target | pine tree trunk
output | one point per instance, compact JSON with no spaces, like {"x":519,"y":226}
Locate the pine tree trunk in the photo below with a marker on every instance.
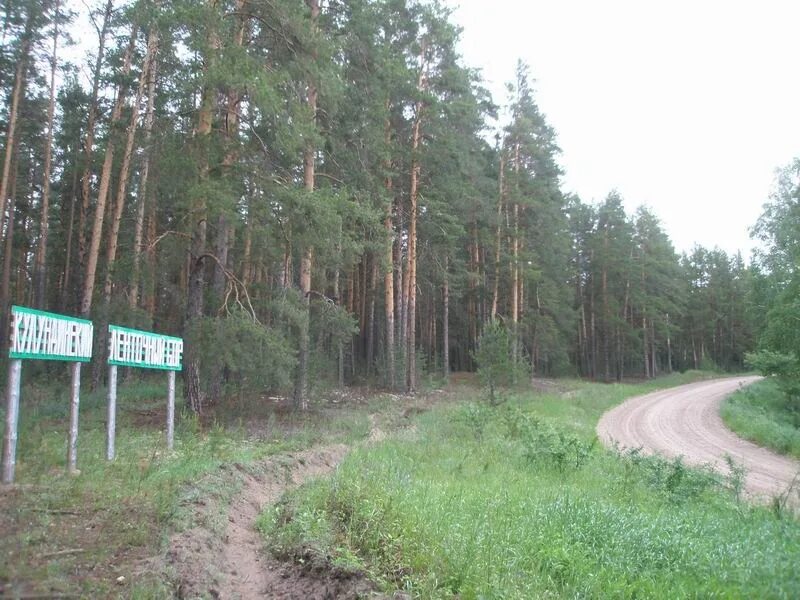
{"x":373,"y":290}
{"x":301,"y":383}
{"x":8,"y":253}
{"x":404,"y":271}
{"x":515,"y":282}
{"x":388,"y":291}
{"x":102,"y":193}
{"x":388,"y":275}
{"x":474,"y":277}
{"x":432,"y":334}
{"x":645,"y":357}
{"x":446,"y":322}
{"x":23,"y":209}
{"x":116,"y":214}
{"x":40,"y":268}
{"x":397,"y":267}
{"x":286,"y":263}
{"x":654,"y":362}
{"x":64,"y":292}
{"x":24,"y":247}
{"x":515,"y":248}
{"x":620,"y":337}
{"x":584,"y":345}
{"x":149,"y":293}
{"x":193,"y":392}
{"x":669,"y":347}
{"x":17,"y":95}
{"x":593,"y":319}
{"x":498,"y":235}
{"x":149,"y":119}
{"x":411,"y":358}
{"x":606,"y":319}
{"x":88,"y":144}
{"x":413,"y":194}
{"x":338,"y":299}
{"x":363,"y":304}
{"x":124,"y":172}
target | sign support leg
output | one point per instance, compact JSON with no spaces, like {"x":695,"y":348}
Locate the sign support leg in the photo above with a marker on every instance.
{"x":12,"y":420}
{"x":171,"y":411}
{"x":112,"y":411}
{"x":72,"y":444}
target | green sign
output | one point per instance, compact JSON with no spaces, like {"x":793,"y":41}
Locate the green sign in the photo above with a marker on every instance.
{"x":47,"y":336}
{"x":134,"y":348}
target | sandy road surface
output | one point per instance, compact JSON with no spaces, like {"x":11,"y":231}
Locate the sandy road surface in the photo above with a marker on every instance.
{"x":684,"y":421}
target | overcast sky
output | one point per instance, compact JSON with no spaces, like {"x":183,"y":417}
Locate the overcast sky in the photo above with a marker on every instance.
{"x":685,"y":106}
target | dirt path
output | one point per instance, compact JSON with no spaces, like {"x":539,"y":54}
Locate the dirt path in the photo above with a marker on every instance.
{"x":234,"y":564}
{"x":685,"y":421}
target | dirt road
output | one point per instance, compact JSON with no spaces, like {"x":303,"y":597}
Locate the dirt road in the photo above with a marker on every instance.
{"x":684,"y":421}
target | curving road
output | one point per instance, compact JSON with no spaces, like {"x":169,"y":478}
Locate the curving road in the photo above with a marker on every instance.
{"x":684,"y":421}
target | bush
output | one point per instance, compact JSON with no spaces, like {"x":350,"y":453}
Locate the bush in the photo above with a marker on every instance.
{"x":495,"y":367}
{"x":786,"y":369}
{"x":242,"y":352}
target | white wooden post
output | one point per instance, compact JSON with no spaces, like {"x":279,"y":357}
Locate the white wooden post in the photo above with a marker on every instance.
{"x":112,"y":411}
{"x":12,"y":420}
{"x":171,"y":410}
{"x":72,"y":444}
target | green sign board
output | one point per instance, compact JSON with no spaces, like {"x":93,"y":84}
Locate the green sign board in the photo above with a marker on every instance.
{"x":36,"y":334}
{"x":134,"y":348}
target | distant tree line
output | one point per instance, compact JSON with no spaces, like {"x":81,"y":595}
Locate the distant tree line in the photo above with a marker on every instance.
{"x":776,"y":289}
{"x":309,"y":193}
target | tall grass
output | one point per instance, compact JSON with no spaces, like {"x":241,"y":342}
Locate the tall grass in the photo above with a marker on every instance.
{"x":114,"y":515}
{"x":519,"y":503}
{"x":761,"y":413}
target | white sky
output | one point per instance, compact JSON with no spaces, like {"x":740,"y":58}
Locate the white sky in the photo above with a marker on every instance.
{"x":685,"y":106}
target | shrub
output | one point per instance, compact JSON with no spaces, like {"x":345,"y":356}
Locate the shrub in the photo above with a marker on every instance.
{"x":495,"y":367}
{"x":786,"y":368}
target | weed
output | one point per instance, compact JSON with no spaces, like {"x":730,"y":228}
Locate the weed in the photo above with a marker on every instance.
{"x":475,"y":417}
{"x":545,"y":444}
{"x":736,"y":477}
{"x":780,"y":503}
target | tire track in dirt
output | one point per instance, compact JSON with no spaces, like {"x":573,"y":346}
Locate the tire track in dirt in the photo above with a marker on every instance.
{"x":236,"y":565}
{"x":685,"y":421}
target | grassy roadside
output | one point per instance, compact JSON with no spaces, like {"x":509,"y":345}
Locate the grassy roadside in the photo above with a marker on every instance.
{"x":518,"y":502}
{"x":759,"y":413}
{"x":63,"y":535}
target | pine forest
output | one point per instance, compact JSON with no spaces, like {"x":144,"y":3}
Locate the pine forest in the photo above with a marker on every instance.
{"x":322,"y":193}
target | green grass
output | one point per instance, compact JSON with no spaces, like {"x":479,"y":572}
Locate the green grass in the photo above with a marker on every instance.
{"x":518,"y":502}
{"x":759,"y":413}
{"x":115,"y":515}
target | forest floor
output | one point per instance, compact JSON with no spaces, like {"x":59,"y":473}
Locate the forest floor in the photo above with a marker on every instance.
{"x":686,"y":422}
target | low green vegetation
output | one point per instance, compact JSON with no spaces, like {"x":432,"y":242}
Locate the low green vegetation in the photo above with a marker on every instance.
{"x":519,"y":501}
{"x":763,"y":414}
{"x":76,"y":535}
